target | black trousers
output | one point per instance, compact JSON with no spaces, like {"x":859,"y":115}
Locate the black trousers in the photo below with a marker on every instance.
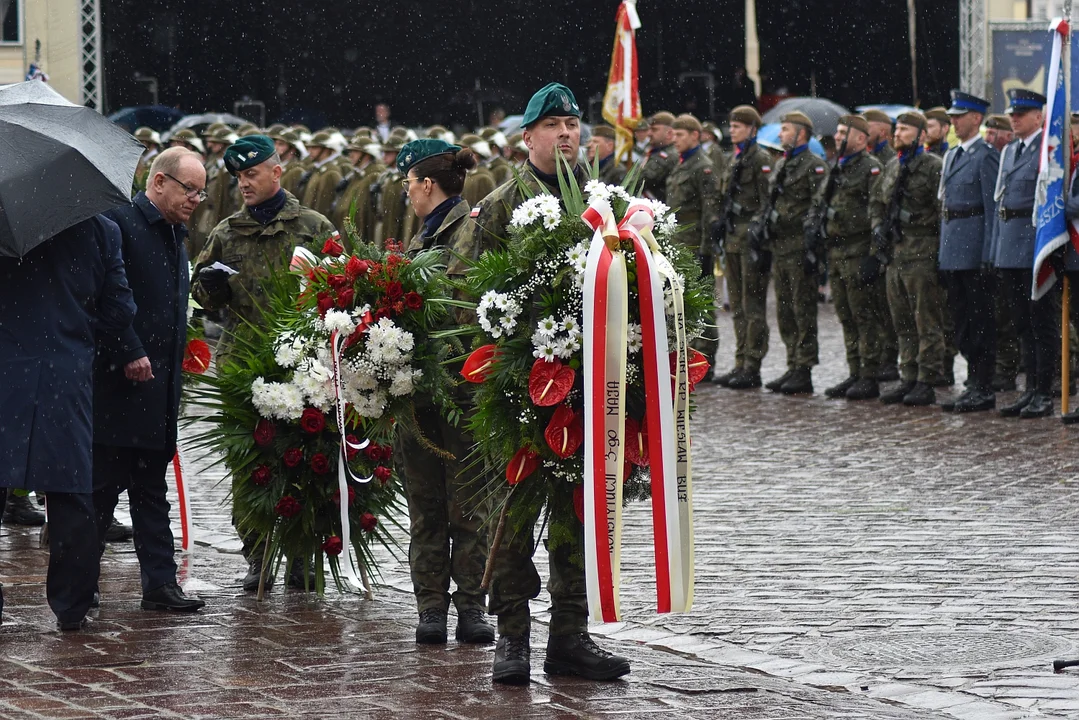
{"x":141,"y":472}
{"x":971,"y":301}
{"x":73,"y":558}
{"x":1037,"y":322}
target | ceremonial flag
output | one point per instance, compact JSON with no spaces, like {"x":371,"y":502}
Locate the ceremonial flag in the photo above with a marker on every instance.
{"x":1052,"y":227}
{"x":622,"y":102}
{"x":36,"y":73}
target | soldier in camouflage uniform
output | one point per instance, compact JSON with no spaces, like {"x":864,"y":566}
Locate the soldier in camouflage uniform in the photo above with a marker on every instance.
{"x":354,"y":188}
{"x":745,"y":190}
{"x":937,"y":125}
{"x":479,"y":182}
{"x":388,"y":198}
{"x":693,"y":194}
{"x":256,"y":241}
{"x":661,"y":156}
{"x":798,"y":177}
{"x":447,"y":538}
{"x":601,"y":146}
{"x":710,"y":143}
{"x":846,"y":225}
{"x":880,"y":147}
{"x":914,"y":292}
{"x":499,"y":166}
{"x":551,"y":120}
{"x":324,"y":175}
{"x":291,"y":151}
{"x":217,"y":204}
{"x":152,"y":142}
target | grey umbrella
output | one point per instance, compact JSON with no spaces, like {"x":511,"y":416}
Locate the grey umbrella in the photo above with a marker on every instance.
{"x":60,"y":163}
{"x":824,"y":113}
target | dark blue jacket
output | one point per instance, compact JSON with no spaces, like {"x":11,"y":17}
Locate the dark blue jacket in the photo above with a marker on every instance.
{"x":52,"y":302}
{"x":144,"y":414}
{"x":967,"y":184}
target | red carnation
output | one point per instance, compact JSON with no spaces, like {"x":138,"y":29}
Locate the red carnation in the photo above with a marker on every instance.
{"x":293,"y":457}
{"x":351,"y":452}
{"x":368,"y":522}
{"x":355,"y":267}
{"x":394,"y":291}
{"x":383,"y":474}
{"x":196,"y":357}
{"x":288,"y":507}
{"x":413,"y":300}
{"x":345,"y":298}
{"x":331,"y":246}
{"x":332,"y":546}
{"x":320,"y":464}
{"x":261,"y":475}
{"x":312,"y":420}
{"x":264,"y":433}
{"x":337,"y":497}
{"x":325,"y":302}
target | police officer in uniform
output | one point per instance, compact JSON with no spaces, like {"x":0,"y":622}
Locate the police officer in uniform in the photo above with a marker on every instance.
{"x":905,"y":216}
{"x":661,"y":156}
{"x":745,"y":188}
{"x":798,"y":176}
{"x":1036,"y":321}
{"x":937,"y":125}
{"x":847,"y":227}
{"x":968,"y":219}
{"x":551,"y":120}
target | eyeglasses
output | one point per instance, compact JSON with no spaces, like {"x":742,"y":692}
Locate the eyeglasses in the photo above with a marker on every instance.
{"x":406,"y":180}
{"x":191,"y":192}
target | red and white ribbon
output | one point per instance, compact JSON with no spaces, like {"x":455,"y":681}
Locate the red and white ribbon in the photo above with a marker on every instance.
{"x":186,"y":541}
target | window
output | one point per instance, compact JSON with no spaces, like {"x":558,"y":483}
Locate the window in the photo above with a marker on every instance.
{"x":11,"y":21}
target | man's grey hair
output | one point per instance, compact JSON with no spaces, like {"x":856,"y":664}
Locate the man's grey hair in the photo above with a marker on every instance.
{"x":168,"y":161}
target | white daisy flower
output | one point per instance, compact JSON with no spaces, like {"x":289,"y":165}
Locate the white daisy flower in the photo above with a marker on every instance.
{"x":547,"y":327}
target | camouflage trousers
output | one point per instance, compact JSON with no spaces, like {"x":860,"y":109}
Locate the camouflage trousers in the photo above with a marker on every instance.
{"x":446,"y":533}
{"x":796,"y":310}
{"x":516,"y":581}
{"x":855,"y":306}
{"x":886,"y":330}
{"x":747,"y":284}
{"x":915,"y":298}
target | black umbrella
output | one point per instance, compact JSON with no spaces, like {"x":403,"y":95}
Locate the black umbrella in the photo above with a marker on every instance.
{"x":60,"y":163}
{"x":824,"y":113}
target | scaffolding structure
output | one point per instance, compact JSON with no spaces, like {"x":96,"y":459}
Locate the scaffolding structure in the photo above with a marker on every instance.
{"x":91,"y":72}
{"x":973,"y":43}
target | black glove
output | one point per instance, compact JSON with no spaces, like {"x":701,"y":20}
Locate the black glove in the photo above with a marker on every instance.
{"x":718,"y":235}
{"x":1057,"y":262}
{"x":215,"y":282}
{"x":870,"y":269}
{"x":755,"y":236}
{"x":879,"y":243}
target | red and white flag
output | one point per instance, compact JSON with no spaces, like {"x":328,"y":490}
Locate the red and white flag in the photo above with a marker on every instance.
{"x":622,"y":101}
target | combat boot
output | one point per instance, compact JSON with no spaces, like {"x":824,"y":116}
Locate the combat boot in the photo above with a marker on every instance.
{"x":1071,"y":417}
{"x":921,"y":395}
{"x":840,"y":390}
{"x":431,"y":629}
{"x":775,"y":385}
{"x":472,"y":627}
{"x":800,"y":382}
{"x":725,"y":379}
{"x":888,"y":373}
{"x":578,"y":654}
{"x":894,"y":397}
{"x":20,"y":511}
{"x":254,"y":569}
{"x":511,"y":665}
{"x":745,"y":380}
{"x":863,"y":389}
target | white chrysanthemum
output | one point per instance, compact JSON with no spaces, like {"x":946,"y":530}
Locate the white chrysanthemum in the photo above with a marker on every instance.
{"x":277,"y":401}
{"x":403,"y":382}
{"x":570,"y":325}
{"x":633,"y":338}
{"x":338,"y":321}
{"x":550,"y":222}
{"x":500,"y":300}
{"x":547,"y":327}
{"x":509,"y":324}
{"x":564,"y":348}
{"x":546,"y":352}
{"x":288,"y":354}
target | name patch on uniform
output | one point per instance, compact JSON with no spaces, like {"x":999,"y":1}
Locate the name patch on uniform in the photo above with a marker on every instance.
{"x":874,"y":171}
{"x":766,"y":169}
{"x":475,"y":212}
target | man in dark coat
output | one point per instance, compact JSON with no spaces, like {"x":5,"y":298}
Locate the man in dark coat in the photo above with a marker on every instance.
{"x":51,"y":303}
{"x":137,"y":378}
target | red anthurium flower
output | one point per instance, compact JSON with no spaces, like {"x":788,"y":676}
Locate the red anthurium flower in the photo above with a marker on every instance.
{"x":196,"y":357}
{"x":637,"y":442}
{"x":698,"y":367}
{"x":523,"y":464}
{"x":565,"y":433}
{"x":480,"y":363}
{"x":550,"y":382}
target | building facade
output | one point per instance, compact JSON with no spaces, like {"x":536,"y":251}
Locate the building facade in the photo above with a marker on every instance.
{"x":61,"y":37}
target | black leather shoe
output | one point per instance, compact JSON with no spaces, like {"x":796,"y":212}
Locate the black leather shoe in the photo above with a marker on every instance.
{"x":745,"y":380}
{"x":20,"y":511}
{"x":511,"y":665}
{"x":840,"y":390}
{"x":1038,"y":407}
{"x":977,"y":400}
{"x":170,"y":597}
{"x":472,"y":627}
{"x":799,"y":383}
{"x":1070,"y":418}
{"x":895,"y":396}
{"x":864,"y":389}
{"x":921,"y":395}
{"x":725,"y":379}
{"x":949,"y":405}
{"x":1016,"y":407}
{"x":118,"y":532}
{"x":251,"y":580}
{"x":296,"y":579}
{"x":72,"y":625}
{"x":1003,"y":384}
{"x":579,"y":655}
{"x":888,"y":373}
{"x":431,"y":629}
{"x":774,"y":385}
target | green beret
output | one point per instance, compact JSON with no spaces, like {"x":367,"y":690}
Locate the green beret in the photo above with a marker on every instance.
{"x":422,"y":149}
{"x":248,"y":152}
{"x":686,"y":121}
{"x":1001,"y":122}
{"x":940,"y":114}
{"x":662,"y":118}
{"x":552,"y":100}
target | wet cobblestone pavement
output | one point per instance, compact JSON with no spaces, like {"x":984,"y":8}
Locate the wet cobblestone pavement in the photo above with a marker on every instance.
{"x":853,"y":561}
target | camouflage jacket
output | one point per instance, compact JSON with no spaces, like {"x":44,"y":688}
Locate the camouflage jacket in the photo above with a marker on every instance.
{"x":479,"y":183}
{"x":657,"y":166}
{"x":502,"y":170}
{"x":919,"y":216}
{"x":613,"y":173}
{"x":693,"y":194}
{"x":319,"y":192}
{"x":802,"y":177}
{"x":847,"y":215}
{"x":750,"y":191}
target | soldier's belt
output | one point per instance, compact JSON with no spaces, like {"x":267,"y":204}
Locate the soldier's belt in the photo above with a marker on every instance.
{"x":949,"y":214}
{"x":1007,"y":214}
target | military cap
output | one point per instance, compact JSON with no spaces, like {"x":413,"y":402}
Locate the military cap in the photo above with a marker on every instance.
{"x":476,"y":144}
{"x":321,"y":139}
{"x":146,"y":134}
{"x":436,"y":131}
{"x":855,"y":122}
{"x":999,"y":122}
{"x":939,"y":114}
{"x":686,"y":121}
{"x":188,"y":137}
{"x":422,"y":149}
{"x":224,"y":135}
{"x":248,"y":152}
{"x":248,"y":132}
{"x":246,"y":126}
{"x":604,"y":131}
{"x":710,"y":127}
{"x":1021,"y":100}
{"x":394,"y":143}
{"x":292,"y":139}
{"x":962,"y":103}
{"x":517,"y":142}
{"x":912,"y":118}
{"x":745,"y":114}
{"x":798,"y":118}
{"x":874,"y":115}
{"x":212,"y":128}
{"x":363,"y":129}
{"x":553,"y":100}
{"x":277,"y":133}
{"x":662,"y":118}
{"x":364,"y":144}
{"x":276,"y":128}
